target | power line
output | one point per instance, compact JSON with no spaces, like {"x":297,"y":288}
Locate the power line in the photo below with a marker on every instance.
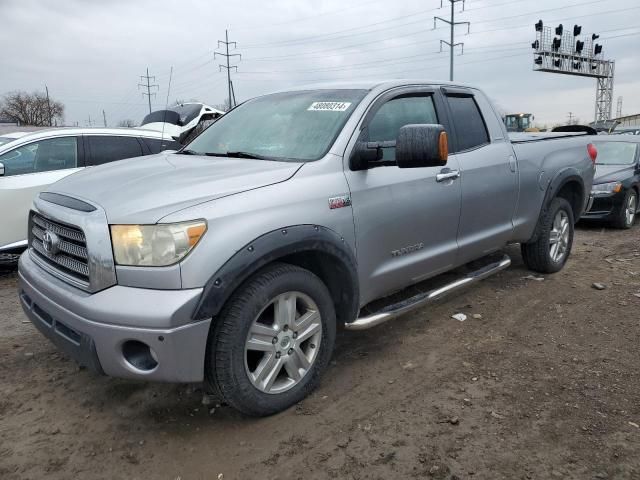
{"x":452,"y":27}
{"x":149,"y":86}
{"x":228,"y":67}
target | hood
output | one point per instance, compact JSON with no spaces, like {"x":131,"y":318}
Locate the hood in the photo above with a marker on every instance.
{"x":613,"y":173}
{"x":145,"y":189}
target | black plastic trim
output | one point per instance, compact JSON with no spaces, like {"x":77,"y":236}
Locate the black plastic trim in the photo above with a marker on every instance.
{"x":65,"y":201}
{"x":273,"y":246}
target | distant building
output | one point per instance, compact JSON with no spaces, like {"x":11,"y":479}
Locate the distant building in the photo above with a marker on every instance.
{"x":629,"y":120}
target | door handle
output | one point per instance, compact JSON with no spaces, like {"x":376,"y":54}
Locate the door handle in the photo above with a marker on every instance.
{"x":447,"y":174}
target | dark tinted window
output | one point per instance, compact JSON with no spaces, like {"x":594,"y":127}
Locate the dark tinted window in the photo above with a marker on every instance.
{"x":41,"y":156}
{"x":468,"y":121}
{"x":397,"y":113}
{"x":112,"y":148}
{"x":157,"y":145}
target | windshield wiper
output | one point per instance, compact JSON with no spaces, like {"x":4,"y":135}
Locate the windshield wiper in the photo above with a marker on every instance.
{"x":254,"y":156}
{"x":189,"y":152}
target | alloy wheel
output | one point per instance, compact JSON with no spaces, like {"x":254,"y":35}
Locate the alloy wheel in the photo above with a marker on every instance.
{"x":283,"y":342}
{"x":559,"y":237}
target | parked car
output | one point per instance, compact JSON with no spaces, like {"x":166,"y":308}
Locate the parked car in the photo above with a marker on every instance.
{"x":10,"y":137}
{"x":183,"y":121}
{"x":234,"y":261}
{"x":34,"y":161}
{"x":616,"y":186}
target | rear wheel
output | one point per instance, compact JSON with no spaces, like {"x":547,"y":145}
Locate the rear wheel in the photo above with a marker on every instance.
{"x":626,"y":215}
{"x":272,"y":341}
{"x":550,"y":251}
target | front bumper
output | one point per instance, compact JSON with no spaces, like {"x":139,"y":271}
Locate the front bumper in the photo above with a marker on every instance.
{"x":95,"y":329}
{"x":604,"y":206}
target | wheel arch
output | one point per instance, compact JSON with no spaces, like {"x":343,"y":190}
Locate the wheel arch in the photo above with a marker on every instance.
{"x":315,"y":248}
{"x":567,"y":184}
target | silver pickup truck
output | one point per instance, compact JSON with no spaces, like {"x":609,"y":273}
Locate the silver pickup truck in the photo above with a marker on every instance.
{"x":234,"y":261}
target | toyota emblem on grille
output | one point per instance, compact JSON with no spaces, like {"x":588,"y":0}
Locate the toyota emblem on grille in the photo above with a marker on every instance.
{"x":50,"y":242}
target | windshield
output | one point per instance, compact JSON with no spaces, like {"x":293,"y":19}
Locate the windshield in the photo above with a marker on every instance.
{"x":616,"y":153}
{"x":179,"y":115}
{"x":293,"y":126}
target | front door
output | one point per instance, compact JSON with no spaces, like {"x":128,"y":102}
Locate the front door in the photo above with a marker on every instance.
{"x":405,"y":220}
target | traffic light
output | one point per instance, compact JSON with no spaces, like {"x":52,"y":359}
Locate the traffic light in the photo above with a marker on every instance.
{"x":577,"y":30}
{"x":559,"y":30}
{"x":535,"y":45}
{"x":539,"y":26}
{"x":557,"y":63}
{"x":597,"y":50}
{"x":595,"y":37}
{"x":538,"y":61}
{"x":556,"y":44}
{"x":579,"y":47}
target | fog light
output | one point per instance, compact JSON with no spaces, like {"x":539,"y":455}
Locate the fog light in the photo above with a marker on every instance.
{"x":139,"y":355}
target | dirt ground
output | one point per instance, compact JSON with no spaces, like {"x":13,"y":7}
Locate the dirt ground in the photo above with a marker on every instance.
{"x":544,"y":385}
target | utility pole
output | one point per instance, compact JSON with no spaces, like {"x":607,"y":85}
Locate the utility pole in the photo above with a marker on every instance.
{"x":89,"y":123}
{"x":104,"y":118}
{"x":452,"y":25}
{"x":570,"y":118}
{"x":48,"y":104}
{"x":619,"y":108}
{"x":228,"y":66}
{"x":148,"y":86}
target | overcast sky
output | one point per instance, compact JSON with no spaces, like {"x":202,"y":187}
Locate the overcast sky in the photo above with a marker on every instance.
{"x":91,"y":53}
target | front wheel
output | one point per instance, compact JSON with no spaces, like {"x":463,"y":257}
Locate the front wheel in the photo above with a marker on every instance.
{"x":272,"y":341}
{"x":626,"y":215}
{"x":550,"y":251}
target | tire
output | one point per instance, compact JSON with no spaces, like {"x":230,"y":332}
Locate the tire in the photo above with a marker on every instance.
{"x":250,"y":336}
{"x":626,"y":214}
{"x":540,"y":255}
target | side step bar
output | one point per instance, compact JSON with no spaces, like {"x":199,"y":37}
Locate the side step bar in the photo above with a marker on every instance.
{"x":395,"y":310}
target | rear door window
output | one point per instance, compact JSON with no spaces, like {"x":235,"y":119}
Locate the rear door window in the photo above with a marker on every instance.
{"x":471,"y":130}
{"x":105,"y":149}
{"x":41,"y":156}
{"x":156,"y":145}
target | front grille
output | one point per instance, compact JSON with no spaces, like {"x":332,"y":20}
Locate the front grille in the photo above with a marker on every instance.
{"x":71,"y":258}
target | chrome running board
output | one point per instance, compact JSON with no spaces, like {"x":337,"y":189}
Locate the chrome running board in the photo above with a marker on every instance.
{"x":395,"y":310}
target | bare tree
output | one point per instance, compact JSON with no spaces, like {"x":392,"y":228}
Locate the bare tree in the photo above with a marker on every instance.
{"x":128,"y":123}
{"x":31,"y":109}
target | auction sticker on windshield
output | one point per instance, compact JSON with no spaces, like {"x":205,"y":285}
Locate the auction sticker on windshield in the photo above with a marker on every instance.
{"x":329,"y":106}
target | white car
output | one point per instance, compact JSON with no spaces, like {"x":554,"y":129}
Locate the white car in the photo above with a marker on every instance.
{"x":10,"y":137}
{"x":181,"y":120}
{"x":32,"y":162}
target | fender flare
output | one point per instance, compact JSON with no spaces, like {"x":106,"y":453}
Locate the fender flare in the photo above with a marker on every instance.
{"x":569,"y":174}
{"x":275,"y":245}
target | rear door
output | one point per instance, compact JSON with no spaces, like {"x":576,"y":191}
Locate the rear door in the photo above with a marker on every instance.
{"x":489,"y":176}
{"x":28,"y":169}
{"x":109,"y":148}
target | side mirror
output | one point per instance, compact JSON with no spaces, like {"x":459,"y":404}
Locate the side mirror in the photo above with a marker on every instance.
{"x":422,"y":146}
{"x":1,"y":169}
{"x":363,"y":154}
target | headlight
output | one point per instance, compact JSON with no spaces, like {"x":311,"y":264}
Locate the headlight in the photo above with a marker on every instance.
{"x":611,"y":187}
{"x":155,"y":245}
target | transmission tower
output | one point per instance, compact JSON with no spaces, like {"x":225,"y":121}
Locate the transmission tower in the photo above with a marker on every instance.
{"x":452,"y":25}
{"x":619,"y":109}
{"x":148,"y":86}
{"x":228,"y":66}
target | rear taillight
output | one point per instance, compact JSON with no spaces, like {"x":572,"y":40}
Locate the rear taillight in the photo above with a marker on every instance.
{"x":593,"y":152}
